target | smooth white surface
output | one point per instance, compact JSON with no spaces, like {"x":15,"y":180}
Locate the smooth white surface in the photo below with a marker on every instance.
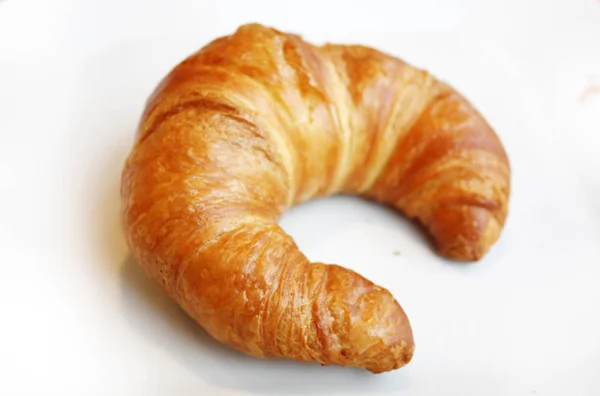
{"x":80,"y":318}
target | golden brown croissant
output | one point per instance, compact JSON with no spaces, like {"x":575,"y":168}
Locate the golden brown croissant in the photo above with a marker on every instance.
{"x":261,"y":120}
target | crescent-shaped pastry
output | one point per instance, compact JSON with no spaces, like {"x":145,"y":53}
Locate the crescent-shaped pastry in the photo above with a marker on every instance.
{"x":261,"y":120}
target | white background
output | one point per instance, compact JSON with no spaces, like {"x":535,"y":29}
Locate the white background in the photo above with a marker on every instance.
{"x":78,"y":317}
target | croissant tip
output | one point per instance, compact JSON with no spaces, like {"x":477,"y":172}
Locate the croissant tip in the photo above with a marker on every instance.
{"x":464,"y":255}
{"x":475,"y":251}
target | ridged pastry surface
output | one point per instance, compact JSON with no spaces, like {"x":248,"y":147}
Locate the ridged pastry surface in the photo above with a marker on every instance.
{"x":259,"y":121}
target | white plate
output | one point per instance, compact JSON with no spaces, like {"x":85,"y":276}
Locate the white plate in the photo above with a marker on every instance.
{"x":78,"y":315}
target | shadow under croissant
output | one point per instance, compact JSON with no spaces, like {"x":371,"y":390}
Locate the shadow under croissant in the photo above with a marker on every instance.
{"x":162,"y":322}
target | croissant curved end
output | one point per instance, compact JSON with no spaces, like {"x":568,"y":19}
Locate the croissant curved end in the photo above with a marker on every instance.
{"x":479,"y":229}
{"x":366,"y":327}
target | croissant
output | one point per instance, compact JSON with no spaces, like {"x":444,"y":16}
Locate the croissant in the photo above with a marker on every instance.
{"x":259,"y":121}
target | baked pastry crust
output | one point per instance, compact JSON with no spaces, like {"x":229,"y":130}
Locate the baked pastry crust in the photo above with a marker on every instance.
{"x":259,"y":121}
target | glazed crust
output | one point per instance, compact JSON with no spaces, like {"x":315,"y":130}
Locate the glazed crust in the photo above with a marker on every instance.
{"x":261,"y":120}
